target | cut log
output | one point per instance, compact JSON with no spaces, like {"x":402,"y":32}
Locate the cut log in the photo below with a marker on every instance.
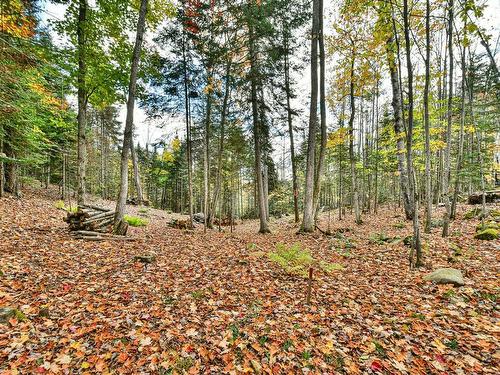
{"x":492,"y":196}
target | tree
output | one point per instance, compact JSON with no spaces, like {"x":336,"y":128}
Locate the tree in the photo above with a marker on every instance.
{"x":120,"y":226}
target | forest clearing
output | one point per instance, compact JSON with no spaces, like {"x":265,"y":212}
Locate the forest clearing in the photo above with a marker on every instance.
{"x":215,"y":303}
{"x":249,"y":187}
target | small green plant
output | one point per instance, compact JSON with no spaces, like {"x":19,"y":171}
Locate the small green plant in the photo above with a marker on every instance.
{"x":296,"y":261}
{"x":251,"y":246}
{"x":143,"y":210}
{"x":198,"y":294}
{"x":263,"y":339}
{"x":399,"y":225}
{"x":379,"y":349}
{"x":169,"y":300}
{"x":452,"y":344}
{"x":293,"y":259}
{"x":183,"y":364}
{"x":418,"y":316}
{"x":449,"y":294}
{"x":60,"y":205}
{"x":287,"y":344}
{"x":135,"y":221}
{"x":235,"y":330}
{"x":307,"y":355}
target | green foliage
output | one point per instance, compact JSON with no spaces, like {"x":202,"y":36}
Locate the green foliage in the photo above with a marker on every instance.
{"x":135,"y":221}
{"x":292,"y":259}
{"x":296,"y":261}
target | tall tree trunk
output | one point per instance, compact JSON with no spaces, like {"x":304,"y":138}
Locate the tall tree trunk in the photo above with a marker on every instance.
{"x":188,"y":131}
{"x":225,"y":102}
{"x":352,"y":159}
{"x":120,"y":227}
{"x":206,"y":156}
{"x":2,"y":177}
{"x":462,"y":123}
{"x":308,"y":218}
{"x":137,"y":176}
{"x":397,"y":106}
{"x":428,"y":193}
{"x":82,"y":102}
{"x":257,"y":128}
{"x":409,"y":140}
{"x":322,"y":106}
{"x":447,"y":161}
{"x":295,"y":186}
{"x":103,"y":156}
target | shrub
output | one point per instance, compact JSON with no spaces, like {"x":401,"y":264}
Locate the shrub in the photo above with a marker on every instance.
{"x":59,"y":205}
{"x":135,"y":221}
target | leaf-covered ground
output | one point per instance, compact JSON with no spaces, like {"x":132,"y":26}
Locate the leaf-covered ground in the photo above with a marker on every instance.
{"x":213,"y":303}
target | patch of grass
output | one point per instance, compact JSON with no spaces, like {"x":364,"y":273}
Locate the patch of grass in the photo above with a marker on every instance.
{"x":263,"y":339}
{"x":287,"y":344}
{"x":143,"y":210}
{"x":452,"y":344}
{"x":169,"y":300}
{"x":135,"y":221}
{"x":198,"y":294}
{"x":183,"y":364}
{"x":449,"y":294}
{"x":399,"y":225}
{"x":235,"y":330}
{"x":330,"y":267}
{"x":251,"y":246}
{"x":418,"y":316}
{"x":489,"y":296}
{"x":60,"y":205}
{"x":307,"y":355}
{"x":379,"y":349}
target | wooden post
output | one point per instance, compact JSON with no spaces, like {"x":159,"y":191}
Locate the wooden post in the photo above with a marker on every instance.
{"x":309,"y":285}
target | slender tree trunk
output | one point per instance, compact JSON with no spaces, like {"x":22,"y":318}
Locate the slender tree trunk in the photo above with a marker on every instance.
{"x":82,"y":102}
{"x":2,"y":177}
{"x":308,"y":218}
{"x":257,"y":128}
{"x":295,"y":186}
{"x":120,"y":227}
{"x":428,"y":193}
{"x":188,"y":131}
{"x":225,"y":102}
{"x":409,"y":140}
{"x":354,"y":185}
{"x":397,"y":106}
{"x":137,"y":176}
{"x":322,"y":106}
{"x":462,"y":124}
{"x":375,"y":205}
{"x":206,"y":156}
{"x":447,"y":161}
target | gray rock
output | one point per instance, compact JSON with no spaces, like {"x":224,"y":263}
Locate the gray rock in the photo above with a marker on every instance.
{"x":446,"y":276}
{"x":199,"y":217}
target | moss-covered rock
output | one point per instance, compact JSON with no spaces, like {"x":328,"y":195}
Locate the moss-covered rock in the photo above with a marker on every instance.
{"x":488,"y":225}
{"x":471,"y":214}
{"x":487,"y":234}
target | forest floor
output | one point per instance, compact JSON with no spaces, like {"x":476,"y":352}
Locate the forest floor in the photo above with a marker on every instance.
{"x":214,"y":303}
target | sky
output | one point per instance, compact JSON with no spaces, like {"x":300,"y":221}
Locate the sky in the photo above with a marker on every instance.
{"x":147,"y":131}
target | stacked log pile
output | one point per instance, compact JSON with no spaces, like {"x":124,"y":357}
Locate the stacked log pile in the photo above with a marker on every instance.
{"x":92,"y":223}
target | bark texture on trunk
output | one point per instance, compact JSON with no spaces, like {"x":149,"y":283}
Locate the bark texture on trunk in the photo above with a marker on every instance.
{"x":308,"y":218}
{"x":447,"y":161}
{"x":119,"y":224}
{"x":397,"y":107}
{"x":82,"y":103}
